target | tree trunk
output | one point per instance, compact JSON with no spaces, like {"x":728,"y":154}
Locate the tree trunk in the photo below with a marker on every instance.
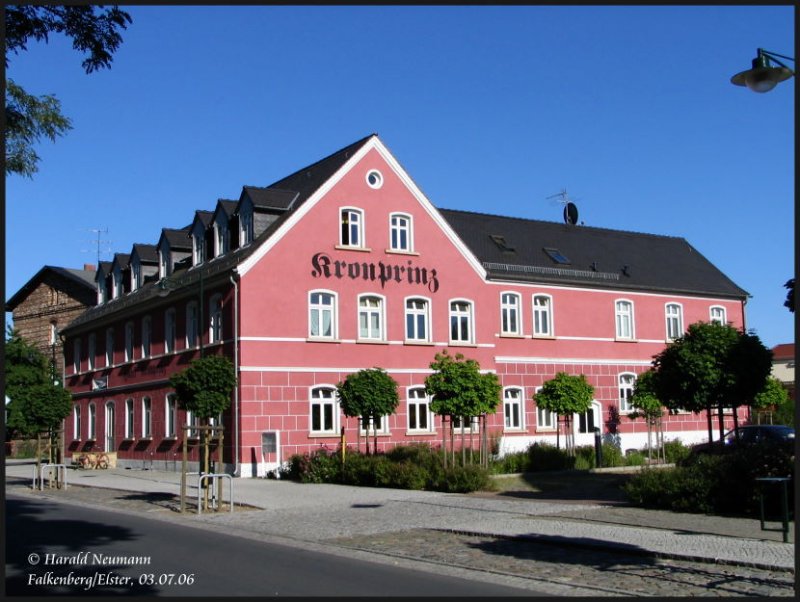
{"x":444,"y":441}
{"x":709,"y":418}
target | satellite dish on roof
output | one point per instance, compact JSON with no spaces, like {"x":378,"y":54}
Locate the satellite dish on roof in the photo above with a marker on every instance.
{"x":570,"y":214}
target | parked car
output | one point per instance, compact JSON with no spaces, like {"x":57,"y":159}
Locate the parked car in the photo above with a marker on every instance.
{"x":777,"y":434}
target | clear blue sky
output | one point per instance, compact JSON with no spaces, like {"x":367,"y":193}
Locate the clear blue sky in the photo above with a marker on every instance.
{"x":489,"y":109}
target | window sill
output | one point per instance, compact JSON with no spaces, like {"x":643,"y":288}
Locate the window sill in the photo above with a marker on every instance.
{"x":515,"y":430}
{"x":461,"y":344}
{"x":511,"y":335}
{"x":400,"y":252}
{"x":322,"y":340}
{"x":349,"y":248}
{"x":420,"y":433}
{"x":618,"y":340}
{"x":420,"y":343}
{"x":145,"y":438}
{"x":546,"y":337}
{"x":325,"y":435}
{"x":371,"y":342}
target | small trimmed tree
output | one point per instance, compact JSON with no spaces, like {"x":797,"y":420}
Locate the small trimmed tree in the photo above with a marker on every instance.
{"x":774,"y":398}
{"x":368,"y":395}
{"x":565,"y":395}
{"x":647,"y":405}
{"x":204,"y":388}
{"x":460,"y":390}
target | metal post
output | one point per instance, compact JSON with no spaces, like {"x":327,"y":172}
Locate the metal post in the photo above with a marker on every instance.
{"x":598,"y":448}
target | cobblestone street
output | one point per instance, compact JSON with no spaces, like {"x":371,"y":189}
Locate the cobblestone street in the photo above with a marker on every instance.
{"x":548,"y":564}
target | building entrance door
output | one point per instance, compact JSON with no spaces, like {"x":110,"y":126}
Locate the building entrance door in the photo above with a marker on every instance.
{"x":110,"y":440}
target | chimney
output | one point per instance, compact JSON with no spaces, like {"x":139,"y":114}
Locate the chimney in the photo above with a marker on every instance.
{"x":89,"y":267}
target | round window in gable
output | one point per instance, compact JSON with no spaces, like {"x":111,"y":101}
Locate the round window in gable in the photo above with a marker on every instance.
{"x":374,"y":178}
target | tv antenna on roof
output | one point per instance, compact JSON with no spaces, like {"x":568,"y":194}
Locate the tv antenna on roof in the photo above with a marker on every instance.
{"x":98,"y":242}
{"x":570,"y":208}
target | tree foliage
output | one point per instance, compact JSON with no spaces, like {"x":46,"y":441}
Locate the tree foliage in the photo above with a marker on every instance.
{"x":789,"y":302}
{"x":458,"y":387}
{"x":711,"y":366}
{"x":368,"y":394}
{"x":94,"y":31}
{"x":205,"y":387}
{"x":773,"y":395}
{"x":37,"y":405}
{"x":565,"y":394}
{"x":646,"y":403}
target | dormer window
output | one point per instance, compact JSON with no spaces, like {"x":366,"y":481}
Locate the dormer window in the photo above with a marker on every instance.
{"x":198,"y":247}
{"x":118,"y":284}
{"x":220,"y":238}
{"x":246,"y":226}
{"x":164,"y":260}
{"x":136,"y":274}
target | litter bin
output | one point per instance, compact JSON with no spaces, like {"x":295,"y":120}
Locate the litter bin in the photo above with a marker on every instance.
{"x":778,"y":486}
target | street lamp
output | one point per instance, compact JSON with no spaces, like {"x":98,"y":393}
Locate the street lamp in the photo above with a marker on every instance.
{"x":763,"y":76}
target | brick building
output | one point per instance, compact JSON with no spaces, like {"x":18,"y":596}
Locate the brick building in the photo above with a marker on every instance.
{"x":345,"y":264}
{"x":49,"y":301}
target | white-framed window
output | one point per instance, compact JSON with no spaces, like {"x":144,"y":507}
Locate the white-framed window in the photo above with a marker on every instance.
{"x":136,"y":274}
{"x":215,"y":315}
{"x":92,"y":422}
{"x":542,"y":316}
{"x":324,"y":411}
{"x":589,"y":420}
{"x":351,"y":232}
{"x":418,"y":411}
{"x":623,"y":314}
{"x":461,"y":320}
{"x":129,"y":433}
{"x":53,"y":333}
{"x":513,"y":409}
{"x":400,"y":233}
{"x":545,"y":419}
{"x":246,"y":231}
{"x":627,"y":380}
{"x":198,"y":246}
{"x":373,"y":426}
{"x":169,"y":330}
{"x":374,"y":178}
{"x":192,"y":326}
{"x":221,"y":236}
{"x":147,"y":418}
{"x":128,"y":341}
{"x":110,"y":422}
{"x":371,"y":318}
{"x":322,"y":314}
{"x":718,"y":314}
{"x":464,"y":425}
{"x":674,"y":319}
{"x":117,"y":284}
{"x":91,"y":350}
{"x":192,"y":421}
{"x":147,"y":336}
{"x":109,"y":346}
{"x":417,"y":320}
{"x":171,"y":416}
{"x":164,"y":260}
{"x":510,"y":323}
{"x":76,"y":355}
{"x":76,"y":422}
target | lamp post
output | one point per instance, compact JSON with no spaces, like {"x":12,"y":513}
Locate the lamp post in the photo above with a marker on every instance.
{"x":763,"y":76}
{"x":167,"y":285}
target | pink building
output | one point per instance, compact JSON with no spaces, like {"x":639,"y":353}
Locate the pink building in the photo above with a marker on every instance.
{"x":344,"y":265}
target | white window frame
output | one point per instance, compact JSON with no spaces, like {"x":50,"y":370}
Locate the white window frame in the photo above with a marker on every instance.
{"x":129,"y":419}
{"x":319,"y":310}
{"x":473,"y":428}
{"x":91,"y":350}
{"x":147,"y":336}
{"x":246,"y":232}
{"x":546,"y":420}
{"x":673,"y":319}
{"x":420,"y":402}
{"x":462,"y":316}
{"x":164,"y":263}
{"x":723,"y":319}
{"x":129,"y":346}
{"x":136,"y":274}
{"x":414,"y":314}
{"x":198,"y":246}
{"x":369,"y":313}
{"x":192,"y":421}
{"x":625,"y":384}
{"x":170,"y":416}
{"x":541,"y":314}
{"x":192,"y":325}
{"x":597,"y":417}
{"x":215,"y":332}
{"x":117,"y":288}
{"x":76,"y":355}
{"x":396,"y":231}
{"x":109,"y":347}
{"x":53,"y":333}
{"x":221,"y":237}
{"x":623,"y":316}
{"x":359,"y":228}
{"x":316,"y":400}
{"x":513,"y":409}
{"x":92,"y":432}
{"x":383,"y":427}
{"x":170,"y":329}
{"x":76,"y":422}
{"x":147,"y":418}
{"x":510,"y":310}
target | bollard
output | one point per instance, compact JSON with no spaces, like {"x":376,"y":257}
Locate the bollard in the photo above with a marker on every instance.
{"x":598,"y":449}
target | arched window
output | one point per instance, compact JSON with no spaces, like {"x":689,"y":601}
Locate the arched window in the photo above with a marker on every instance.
{"x":322,"y":315}
{"x":513,"y":408}
{"x":324,"y":411}
{"x":510,"y":323}
{"x":542,"y":316}
{"x":623,"y":313}
{"x":371,"y":318}
{"x":626,"y":383}
{"x":215,"y":315}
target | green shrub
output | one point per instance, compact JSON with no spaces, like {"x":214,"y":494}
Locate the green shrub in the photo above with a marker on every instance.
{"x":544,"y":456}
{"x":612,"y":455}
{"x":635,"y":458}
{"x":510,"y":463}
{"x":463,"y":479}
{"x":675,"y":451}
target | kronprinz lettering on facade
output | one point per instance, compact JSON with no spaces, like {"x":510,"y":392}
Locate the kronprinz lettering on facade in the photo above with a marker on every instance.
{"x":330,"y":270}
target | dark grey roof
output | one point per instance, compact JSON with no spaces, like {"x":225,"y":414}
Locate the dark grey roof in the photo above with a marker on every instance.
{"x":121,"y":259}
{"x":227,"y":206}
{"x":146,"y":253}
{"x":204,"y":216}
{"x":179,"y":240}
{"x":269,"y":198}
{"x":514,"y":249}
{"x":84,"y":278}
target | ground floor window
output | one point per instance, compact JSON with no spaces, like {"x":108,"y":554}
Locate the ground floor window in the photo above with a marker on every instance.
{"x":324,"y":411}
